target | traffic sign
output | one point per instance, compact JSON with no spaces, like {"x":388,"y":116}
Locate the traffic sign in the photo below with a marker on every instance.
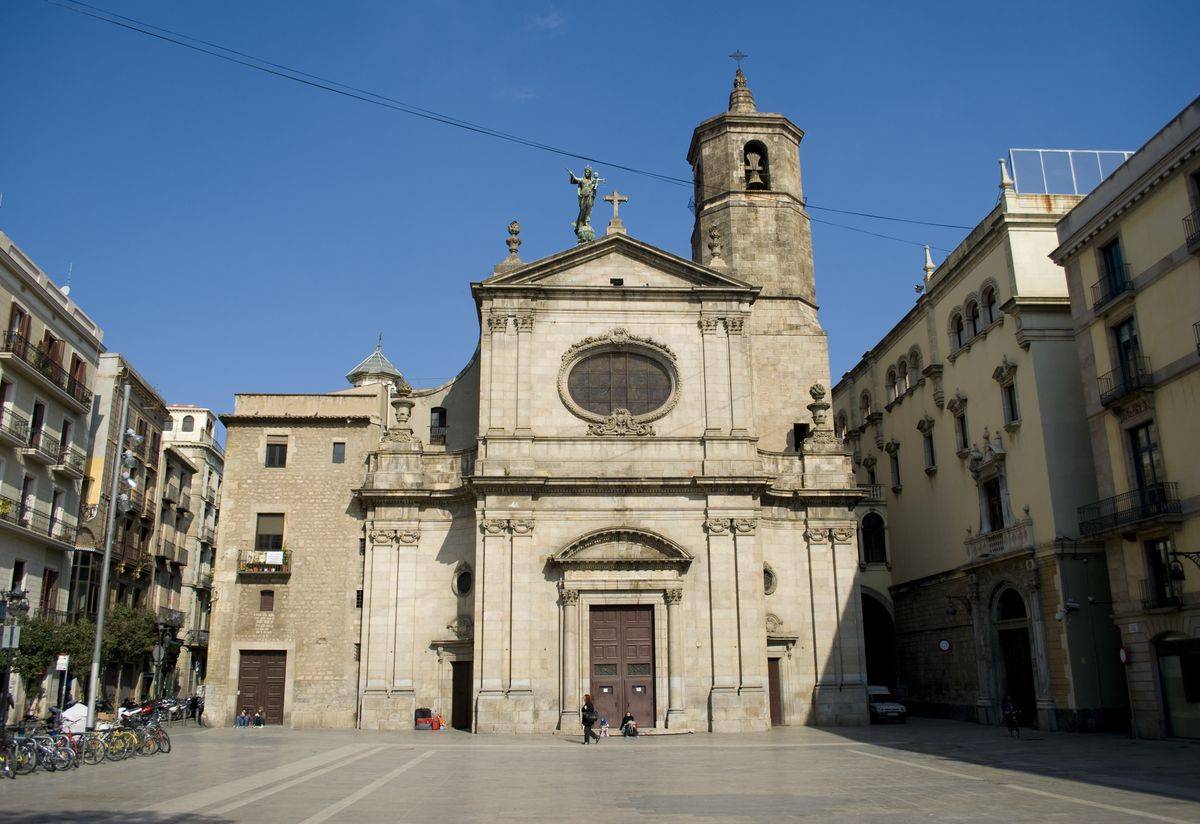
{"x":61,"y":663}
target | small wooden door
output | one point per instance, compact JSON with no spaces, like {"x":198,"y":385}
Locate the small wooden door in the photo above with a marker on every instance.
{"x":775,"y":695}
{"x":460,"y":699}
{"x":261,"y":679}
{"x":622,"y":663}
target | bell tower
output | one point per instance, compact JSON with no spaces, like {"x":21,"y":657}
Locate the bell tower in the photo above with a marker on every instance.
{"x":750,"y":212}
{"x":746,"y":170}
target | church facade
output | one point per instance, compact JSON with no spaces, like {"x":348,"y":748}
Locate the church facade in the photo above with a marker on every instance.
{"x":633,"y":490}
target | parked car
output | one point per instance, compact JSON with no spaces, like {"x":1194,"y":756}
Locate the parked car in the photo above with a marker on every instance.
{"x":884,"y":707}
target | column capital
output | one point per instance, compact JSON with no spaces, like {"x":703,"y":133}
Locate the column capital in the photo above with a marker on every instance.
{"x":673,"y":596}
{"x":525,"y":323}
{"x":710,"y":324}
{"x":735,"y":324}
{"x":497,"y":322}
{"x":493,"y":526}
{"x":521,"y":526}
{"x":408,"y":535}
{"x":569,"y":596}
{"x":381,"y":536}
{"x":717,"y":526}
{"x":745,"y":526}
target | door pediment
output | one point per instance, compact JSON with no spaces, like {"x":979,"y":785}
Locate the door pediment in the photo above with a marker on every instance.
{"x":621,"y":547}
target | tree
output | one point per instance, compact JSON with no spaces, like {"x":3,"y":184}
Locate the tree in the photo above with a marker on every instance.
{"x":36,"y":654}
{"x":129,"y":636}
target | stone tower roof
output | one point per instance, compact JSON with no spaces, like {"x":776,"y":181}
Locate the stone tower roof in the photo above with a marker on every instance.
{"x":741,"y":99}
{"x":376,"y":368}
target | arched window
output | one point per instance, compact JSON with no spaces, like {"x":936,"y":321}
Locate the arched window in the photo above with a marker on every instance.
{"x":839,"y":426}
{"x":874,"y":545}
{"x":1010,"y":607}
{"x":914,"y":362}
{"x":754,"y":160}
{"x":437,"y":425}
{"x":902,"y":377}
{"x":891,"y":385}
{"x":189,"y":423}
{"x":864,"y":405}
{"x":956,"y":332}
{"x":989,"y":305}
{"x":973,"y":319}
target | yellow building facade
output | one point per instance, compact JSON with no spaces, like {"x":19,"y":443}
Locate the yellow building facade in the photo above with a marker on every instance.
{"x":1131,"y":251}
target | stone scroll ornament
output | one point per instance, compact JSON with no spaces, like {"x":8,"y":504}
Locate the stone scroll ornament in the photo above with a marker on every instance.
{"x":587,"y":186}
{"x":620,"y":422}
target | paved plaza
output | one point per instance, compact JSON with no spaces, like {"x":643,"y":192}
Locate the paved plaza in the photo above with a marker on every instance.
{"x":925,"y":770}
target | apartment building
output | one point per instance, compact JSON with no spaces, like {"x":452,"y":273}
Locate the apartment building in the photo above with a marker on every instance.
{"x":974,"y":454}
{"x":191,"y":431}
{"x":48,"y":359}
{"x":1131,"y":251}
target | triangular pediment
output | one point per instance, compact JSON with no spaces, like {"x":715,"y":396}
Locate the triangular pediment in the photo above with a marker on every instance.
{"x":622,"y":547}
{"x":595,"y":264}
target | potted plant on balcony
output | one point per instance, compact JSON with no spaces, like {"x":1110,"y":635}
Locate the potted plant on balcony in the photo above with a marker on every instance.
{"x":5,"y":509}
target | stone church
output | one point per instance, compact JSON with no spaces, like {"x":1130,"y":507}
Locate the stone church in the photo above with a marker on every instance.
{"x":632,"y":490}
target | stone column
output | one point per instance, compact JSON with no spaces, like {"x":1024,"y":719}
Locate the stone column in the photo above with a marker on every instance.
{"x":379,"y":612}
{"x":520,"y":673}
{"x":981,"y":631}
{"x":491,"y":621}
{"x":676,"y":712}
{"x":523,"y":380}
{"x":740,"y":378}
{"x":403,"y":660}
{"x":568,"y":717}
{"x":724,"y":706}
{"x":752,"y":634}
{"x":499,"y":380}
{"x":716,"y":377}
{"x":1047,"y":717}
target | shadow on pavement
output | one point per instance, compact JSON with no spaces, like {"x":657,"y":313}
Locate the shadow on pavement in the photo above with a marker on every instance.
{"x":109,"y":817}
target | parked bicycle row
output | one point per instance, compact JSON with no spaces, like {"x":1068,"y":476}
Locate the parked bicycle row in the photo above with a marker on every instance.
{"x":55,"y":746}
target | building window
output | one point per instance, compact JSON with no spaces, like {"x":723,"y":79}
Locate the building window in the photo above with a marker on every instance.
{"x":799,"y":435}
{"x":607,"y":381}
{"x":993,"y":505}
{"x":1008,"y":395}
{"x":1147,"y":459}
{"x":339,"y":452}
{"x":894,"y":460}
{"x":914,"y":364}
{"x":770,"y":580}
{"x":268,"y":533}
{"x":1125,"y":337}
{"x":17,"y":584}
{"x":962,"y":441}
{"x":1112,"y":265}
{"x":840,"y":427}
{"x":973,"y":327}
{"x":437,"y":425}
{"x":989,"y":305}
{"x":276,"y":457}
{"x":902,"y":377}
{"x":891,"y":385}
{"x":169,"y":425}
{"x":957,"y":335}
{"x":864,"y":405}
{"x":266,"y":600}
{"x":871,"y":477}
{"x":930,"y":455}
{"x":189,"y":424}
{"x":463,"y":580}
{"x":358,"y":599}
{"x":874,"y":543}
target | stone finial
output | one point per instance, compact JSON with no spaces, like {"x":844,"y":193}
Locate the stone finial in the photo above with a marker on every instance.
{"x":513,"y":242}
{"x":741,"y":99}
{"x":715,"y":249}
{"x":929,"y":267}
{"x":819,"y":407}
{"x":1006,"y":182}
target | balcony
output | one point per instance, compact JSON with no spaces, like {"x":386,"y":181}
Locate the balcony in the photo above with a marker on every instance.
{"x":1191,"y":231}
{"x":181,"y":556}
{"x":38,"y":364}
{"x":165,"y":549}
{"x":207,"y":535}
{"x":197,"y":638}
{"x":264,"y":562}
{"x":437,"y":435}
{"x":170,"y":494}
{"x":14,"y":430}
{"x":184,"y":503}
{"x":1157,"y":595}
{"x":71,"y":462}
{"x":1015,"y":538}
{"x":204,"y":580}
{"x":149,"y":507}
{"x":168,"y":617}
{"x":15,"y":514}
{"x":1113,"y":285}
{"x":874,"y":493}
{"x":42,"y":447}
{"x":210,"y":495}
{"x":1148,"y":503}
{"x":1134,"y":376}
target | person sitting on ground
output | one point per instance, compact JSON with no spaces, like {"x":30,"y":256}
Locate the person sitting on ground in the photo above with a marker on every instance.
{"x":259,"y":721}
{"x":243,"y":718}
{"x":629,"y":727}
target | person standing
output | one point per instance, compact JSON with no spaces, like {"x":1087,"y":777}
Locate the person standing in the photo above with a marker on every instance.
{"x":587,"y":714}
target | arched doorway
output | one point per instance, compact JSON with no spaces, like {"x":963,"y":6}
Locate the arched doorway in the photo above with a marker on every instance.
{"x":1179,"y":677}
{"x":879,"y":641}
{"x":874,"y":542}
{"x":1016,"y":654}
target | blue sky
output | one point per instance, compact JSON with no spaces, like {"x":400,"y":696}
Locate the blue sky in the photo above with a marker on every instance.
{"x":236,"y":232}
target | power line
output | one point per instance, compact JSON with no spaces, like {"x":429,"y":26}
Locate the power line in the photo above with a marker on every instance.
{"x":325,"y":84}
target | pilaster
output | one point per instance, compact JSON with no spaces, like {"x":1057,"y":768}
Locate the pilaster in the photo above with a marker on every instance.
{"x":717,"y":412}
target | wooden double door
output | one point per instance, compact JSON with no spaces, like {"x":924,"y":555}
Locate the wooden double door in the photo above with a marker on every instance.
{"x":261,"y":679}
{"x":622,"y":663}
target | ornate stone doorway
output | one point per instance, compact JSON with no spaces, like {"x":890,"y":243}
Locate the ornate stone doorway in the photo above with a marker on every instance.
{"x":1016,"y":655}
{"x":622,"y":662}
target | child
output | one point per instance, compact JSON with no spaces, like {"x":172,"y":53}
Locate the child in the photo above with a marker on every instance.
{"x":604,"y":728}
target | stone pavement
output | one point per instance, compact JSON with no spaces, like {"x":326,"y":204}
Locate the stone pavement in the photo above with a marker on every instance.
{"x":924,"y":770}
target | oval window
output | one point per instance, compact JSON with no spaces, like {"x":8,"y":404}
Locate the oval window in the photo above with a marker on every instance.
{"x":608,"y":381}
{"x":463,"y":580}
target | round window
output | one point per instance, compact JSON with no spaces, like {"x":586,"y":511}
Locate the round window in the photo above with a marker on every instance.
{"x":608,"y":381}
{"x":463,"y":579}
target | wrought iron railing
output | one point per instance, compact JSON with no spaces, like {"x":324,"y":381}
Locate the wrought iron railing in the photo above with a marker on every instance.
{"x":170,"y":617}
{"x":207,"y":535}
{"x":73,"y":458}
{"x":197,"y":638}
{"x":437,"y":435}
{"x":204,"y":580}
{"x":1191,"y":230}
{"x":45,"y":444}
{"x":166,"y":549}
{"x":1133,"y":374}
{"x":1128,"y":508}
{"x":1115,"y":282}
{"x":20,"y":514}
{"x":184,"y":503}
{"x":13,"y":425}
{"x":1157,"y":594}
{"x":51,"y":369}
{"x":264,"y":562}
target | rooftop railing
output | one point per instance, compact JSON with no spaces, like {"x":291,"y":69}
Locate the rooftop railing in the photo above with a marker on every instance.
{"x":1128,"y":508}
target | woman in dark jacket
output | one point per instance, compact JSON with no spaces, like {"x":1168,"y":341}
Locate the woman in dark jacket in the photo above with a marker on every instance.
{"x":587,"y":714}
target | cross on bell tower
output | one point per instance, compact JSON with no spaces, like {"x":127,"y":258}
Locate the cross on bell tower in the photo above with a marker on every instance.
{"x":615,"y":226}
